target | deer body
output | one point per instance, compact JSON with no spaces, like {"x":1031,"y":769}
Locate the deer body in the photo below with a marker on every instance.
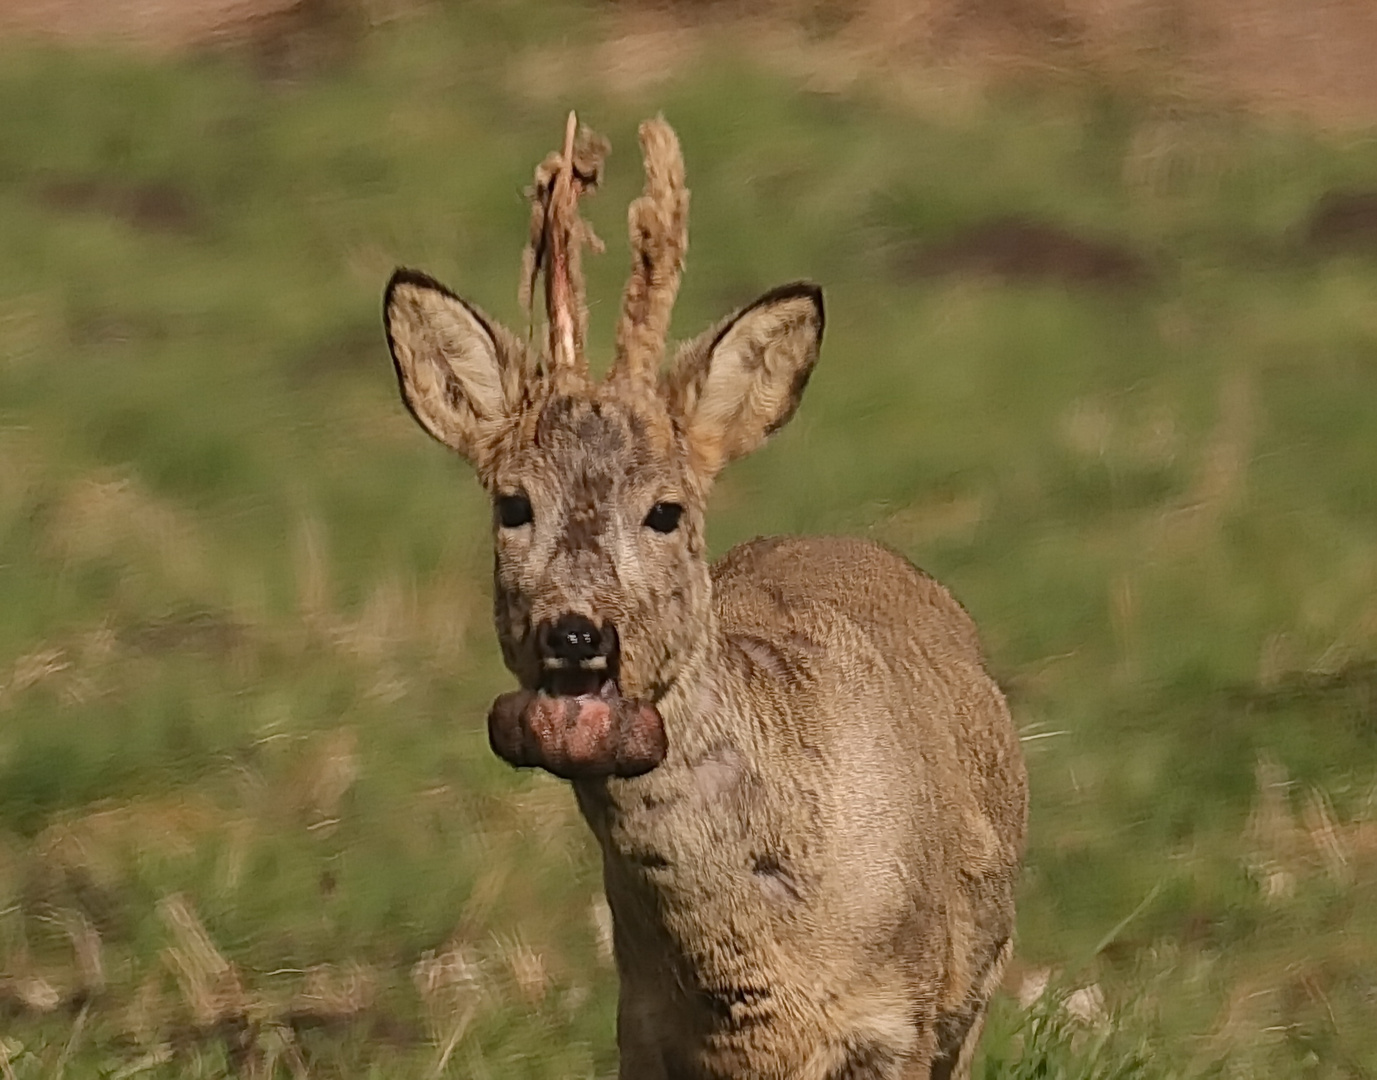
{"x":807,"y":790}
{"x":821,"y":873}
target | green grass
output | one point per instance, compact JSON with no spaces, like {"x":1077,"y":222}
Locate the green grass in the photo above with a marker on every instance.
{"x":244,"y":640}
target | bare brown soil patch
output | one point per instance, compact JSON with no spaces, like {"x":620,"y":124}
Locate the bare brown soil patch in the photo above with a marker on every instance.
{"x":1023,"y":249}
{"x":200,"y":631}
{"x":1344,"y":221}
{"x":149,"y":207}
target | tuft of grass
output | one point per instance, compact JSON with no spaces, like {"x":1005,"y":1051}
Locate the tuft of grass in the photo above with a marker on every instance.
{"x":1065,"y":1037}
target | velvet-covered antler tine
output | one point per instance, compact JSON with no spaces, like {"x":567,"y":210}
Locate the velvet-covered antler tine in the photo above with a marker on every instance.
{"x":658,"y":226}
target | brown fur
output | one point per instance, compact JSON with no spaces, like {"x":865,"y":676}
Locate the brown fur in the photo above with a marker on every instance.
{"x":818,"y":882}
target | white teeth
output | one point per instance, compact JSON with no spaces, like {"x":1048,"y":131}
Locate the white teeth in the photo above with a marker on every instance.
{"x":594,"y":663}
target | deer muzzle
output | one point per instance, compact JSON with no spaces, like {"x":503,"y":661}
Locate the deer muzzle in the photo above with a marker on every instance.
{"x":577,"y":724}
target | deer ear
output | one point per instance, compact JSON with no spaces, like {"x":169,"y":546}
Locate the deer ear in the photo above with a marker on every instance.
{"x":460,"y":373}
{"x":741,"y":381}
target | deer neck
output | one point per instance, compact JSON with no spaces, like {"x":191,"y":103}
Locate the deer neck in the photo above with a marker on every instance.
{"x":697,"y":707}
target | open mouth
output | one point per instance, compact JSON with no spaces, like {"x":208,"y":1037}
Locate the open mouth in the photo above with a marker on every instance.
{"x":577,"y":724}
{"x":597,"y":676}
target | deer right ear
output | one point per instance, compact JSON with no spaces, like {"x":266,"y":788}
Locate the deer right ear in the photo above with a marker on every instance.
{"x":460,"y":374}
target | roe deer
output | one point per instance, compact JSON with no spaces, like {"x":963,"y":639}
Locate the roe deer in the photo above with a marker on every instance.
{"x":808,"y":792}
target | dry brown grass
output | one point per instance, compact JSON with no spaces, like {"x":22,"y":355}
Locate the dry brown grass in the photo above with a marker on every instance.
{"x":167,"y":25}
{"x":430,"y":618}
{"x":113,"y":516}
{"x":1220,"y":479}
{"x":191,"y":993}
{"x":1275,"y":56}
{"x":211,"y":986}
{"x":164,"y":24}
{"x":1289,"y":844}
{"x":100,"y":843}
{"x":452,"y":987}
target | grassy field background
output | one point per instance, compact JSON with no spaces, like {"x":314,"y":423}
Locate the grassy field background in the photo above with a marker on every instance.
{"x":1105,"y":363}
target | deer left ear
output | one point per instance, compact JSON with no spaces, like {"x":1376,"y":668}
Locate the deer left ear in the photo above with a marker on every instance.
{"x":741,"y":381}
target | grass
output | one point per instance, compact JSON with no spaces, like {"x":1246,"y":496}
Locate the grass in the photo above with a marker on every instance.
{"x":248,"y":818}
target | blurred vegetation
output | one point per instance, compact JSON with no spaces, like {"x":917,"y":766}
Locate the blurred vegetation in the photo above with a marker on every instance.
{"x":1105,"y":365}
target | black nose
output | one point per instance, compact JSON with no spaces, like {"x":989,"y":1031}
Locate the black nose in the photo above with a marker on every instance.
{"x":574,"y":641}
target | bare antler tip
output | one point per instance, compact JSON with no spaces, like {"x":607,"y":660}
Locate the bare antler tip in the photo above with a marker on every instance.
{"x":571,"y":127}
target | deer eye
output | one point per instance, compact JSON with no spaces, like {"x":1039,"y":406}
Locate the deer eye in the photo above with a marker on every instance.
{"x":514,"y":511}
{"x":664,"y":517}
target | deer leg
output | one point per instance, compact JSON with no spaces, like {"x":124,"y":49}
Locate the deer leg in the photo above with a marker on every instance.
{"x":641,"y":1063}
{"x":958,"y":1033}
{"x":640,"y":1054}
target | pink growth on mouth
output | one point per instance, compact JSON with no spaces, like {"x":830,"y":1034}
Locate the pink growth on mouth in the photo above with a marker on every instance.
{"x":577,"y":737}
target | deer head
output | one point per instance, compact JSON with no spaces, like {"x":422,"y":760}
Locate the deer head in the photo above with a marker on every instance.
{"x":602,"y":592}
